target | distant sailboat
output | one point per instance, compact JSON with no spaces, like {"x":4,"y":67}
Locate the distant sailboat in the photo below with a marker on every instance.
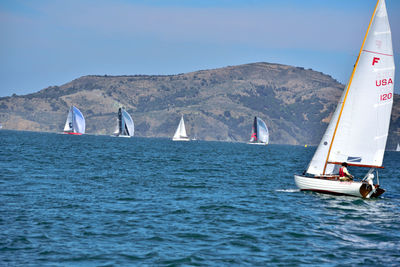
{"x":260,"y":134}
{"x":126,"y":127}
{"x":75,"y":123}
{"x":398,"y":147}
{"x":358,"y":130}
{"x":180,"y":133}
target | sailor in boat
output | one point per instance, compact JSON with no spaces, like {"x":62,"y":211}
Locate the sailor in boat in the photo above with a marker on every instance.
{"x":344,"y":174}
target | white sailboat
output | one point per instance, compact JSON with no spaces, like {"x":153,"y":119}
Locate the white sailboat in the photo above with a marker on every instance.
{"x":180,"y":133}
{"x":126,"y":127}
{"x":358,"y":130}
{"x":398,"y":147}
{"x":75,"y":123}
{"x":260,"y":133}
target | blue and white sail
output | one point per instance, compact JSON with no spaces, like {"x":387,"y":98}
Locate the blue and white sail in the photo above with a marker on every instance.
{"x":126,"y":126}
{"x":260,"y":133}
{"x":75,"y":123}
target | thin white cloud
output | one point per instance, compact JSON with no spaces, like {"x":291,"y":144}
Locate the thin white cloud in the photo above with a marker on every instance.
{"x":268,"y":27}
{"x":57,"y":40}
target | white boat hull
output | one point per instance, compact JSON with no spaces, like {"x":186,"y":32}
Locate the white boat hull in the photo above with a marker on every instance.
{"x":336,"y":187}
{"x":260,"y":144}
{"x":125,"y":136}
{"x":180,"y":139}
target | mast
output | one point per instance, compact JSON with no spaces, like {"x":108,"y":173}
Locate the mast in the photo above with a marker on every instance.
{"x":254,"y":135}
{"x":73,"y":119}
{"x":348,"y":87}
{"x":120,"y":121}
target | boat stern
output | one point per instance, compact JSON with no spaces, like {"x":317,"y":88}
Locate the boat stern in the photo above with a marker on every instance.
{"x":366,"y":190}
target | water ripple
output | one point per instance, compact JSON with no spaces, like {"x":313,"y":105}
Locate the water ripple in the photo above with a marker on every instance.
{"x":101,"y":201}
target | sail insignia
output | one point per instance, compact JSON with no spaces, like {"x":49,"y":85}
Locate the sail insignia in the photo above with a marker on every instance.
{"x":354,"y":159}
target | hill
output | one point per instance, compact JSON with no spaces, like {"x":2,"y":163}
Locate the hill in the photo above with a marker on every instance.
{"x":217,"y":104}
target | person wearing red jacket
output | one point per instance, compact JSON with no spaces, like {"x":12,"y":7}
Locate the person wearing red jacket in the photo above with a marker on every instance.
{"x":344,"y":174}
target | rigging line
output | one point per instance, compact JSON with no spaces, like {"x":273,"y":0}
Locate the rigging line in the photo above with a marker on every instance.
{"x":348,"y":87}
{"x":378,"y":53}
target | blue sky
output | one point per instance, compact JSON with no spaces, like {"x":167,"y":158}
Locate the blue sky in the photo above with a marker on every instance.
{"x":51,"y":42}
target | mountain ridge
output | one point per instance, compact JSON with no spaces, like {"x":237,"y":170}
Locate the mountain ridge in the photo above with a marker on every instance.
{"x":218,"y":104}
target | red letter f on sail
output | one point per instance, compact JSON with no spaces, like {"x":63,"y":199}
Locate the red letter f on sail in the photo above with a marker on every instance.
{"x":375,"y":60}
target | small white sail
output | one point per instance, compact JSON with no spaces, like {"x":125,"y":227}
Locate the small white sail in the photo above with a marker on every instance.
{"x":116,"y":131}
{"x":68,"y":122}
{"x":398,"y":147}
{"x":180,"y":133}
{"x":358,"y":129}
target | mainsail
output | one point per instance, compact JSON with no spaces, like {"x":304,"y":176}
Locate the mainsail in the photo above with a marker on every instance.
{"x":75,"y":122}
{"x":358,"y":130}
{"x":126,"y":127}
{"x":180,"y":133}
{"x":259,"y":132}
{"x":263,"y":134}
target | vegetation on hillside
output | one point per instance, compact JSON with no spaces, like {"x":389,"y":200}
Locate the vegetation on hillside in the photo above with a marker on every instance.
{"x":217,"y":104}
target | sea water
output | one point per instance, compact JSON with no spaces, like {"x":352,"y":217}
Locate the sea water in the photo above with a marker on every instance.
{"x":103,"y":201}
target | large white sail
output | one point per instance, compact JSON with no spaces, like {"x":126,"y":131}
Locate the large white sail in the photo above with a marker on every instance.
{"x":359,"y":127}
{"x":263,"y":134}
{"x":180,"y":133}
